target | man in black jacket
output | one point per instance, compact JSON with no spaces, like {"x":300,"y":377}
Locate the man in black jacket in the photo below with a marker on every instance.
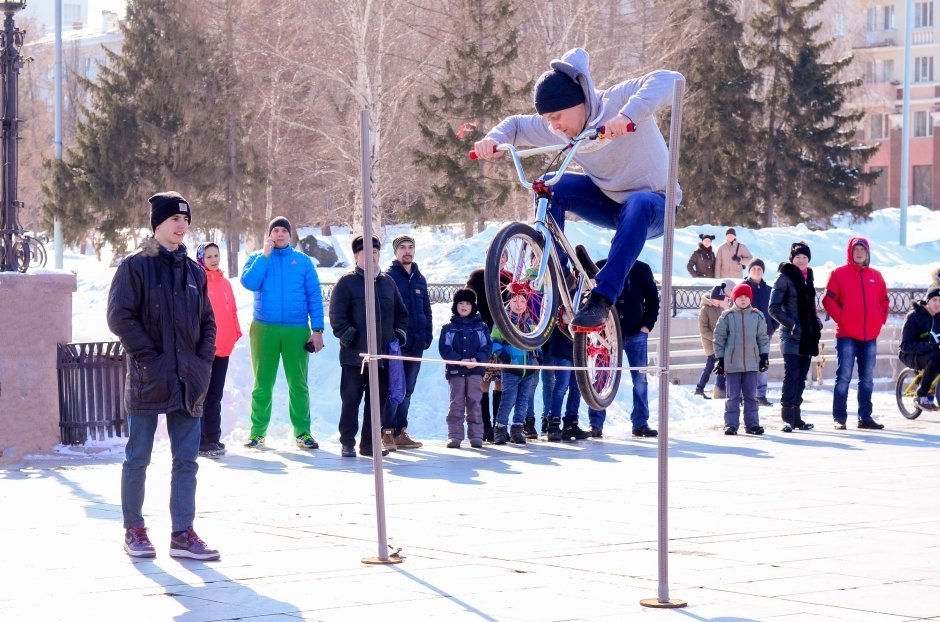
{"x":638,"y":309}
{"x":159,"y":308}
{"x":413,"y":288}
{"x":348,"y":321}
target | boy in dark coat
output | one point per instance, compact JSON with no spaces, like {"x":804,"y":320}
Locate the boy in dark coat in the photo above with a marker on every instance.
{"x":761,"y":301}
{"x":920,"y":344}
{"x":465,"y":338}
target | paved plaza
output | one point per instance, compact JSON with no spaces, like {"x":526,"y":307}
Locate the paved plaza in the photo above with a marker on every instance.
{"x":803,"y":527}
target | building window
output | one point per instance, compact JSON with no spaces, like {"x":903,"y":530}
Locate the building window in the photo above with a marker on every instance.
{"x":838,"y":26}
{"x":888,"y":17}
{"x":871,"y":19}
{"x":71,"y":13}
{"x":922,"y":123}
{"x":923,"y":69}
{"x":877,"y":126}
{"x":922,"y":183}
{"x":887,"y":71}
{"x":923,"y":14}
{"x":878,"y":194}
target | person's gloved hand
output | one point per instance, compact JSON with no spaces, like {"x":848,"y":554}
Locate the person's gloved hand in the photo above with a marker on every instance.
{"x":503,"y":357}
{"x":349,"y":337}
{"x":764,"y":363}
{"x":720,"y":367}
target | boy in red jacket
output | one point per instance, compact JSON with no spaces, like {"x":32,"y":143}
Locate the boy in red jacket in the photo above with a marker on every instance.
{"x":857,"y":300}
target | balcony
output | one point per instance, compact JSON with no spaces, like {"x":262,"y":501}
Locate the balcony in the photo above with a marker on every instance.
{"x":923,"y":36}
{"x":881,"y":38}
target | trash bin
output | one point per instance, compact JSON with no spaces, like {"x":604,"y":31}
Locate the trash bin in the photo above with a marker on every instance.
{"x":91,"y":391}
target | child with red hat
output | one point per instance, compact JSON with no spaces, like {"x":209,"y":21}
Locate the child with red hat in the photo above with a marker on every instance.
{"x":742,"y":349}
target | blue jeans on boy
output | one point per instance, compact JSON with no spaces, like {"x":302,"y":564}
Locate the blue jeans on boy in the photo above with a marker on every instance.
{"x":548,"y":388}
{"x":636,"y":347}
{"x":638,"y":219}
{"x":517,"y":391}
{"x":185,"y":432}
{"x":565,"y":382}
{"x":848,"y":351}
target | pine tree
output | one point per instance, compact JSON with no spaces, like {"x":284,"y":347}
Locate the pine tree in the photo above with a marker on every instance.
{"x":812,"y":167}
{"x":716,"y":163}
{"x":156,"y":121}
{"x":471,"y":98}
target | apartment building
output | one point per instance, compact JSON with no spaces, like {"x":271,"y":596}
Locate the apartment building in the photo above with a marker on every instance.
{"x":879,"y":53}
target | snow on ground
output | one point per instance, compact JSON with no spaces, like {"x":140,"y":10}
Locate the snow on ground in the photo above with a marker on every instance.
{"x":445,"y":256}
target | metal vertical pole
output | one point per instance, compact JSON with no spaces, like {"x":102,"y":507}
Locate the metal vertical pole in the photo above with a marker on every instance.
{"x":57,"y":223}
{"x":906,"y":118}
{"x":375,"y":405}
{"x":675,"y":129}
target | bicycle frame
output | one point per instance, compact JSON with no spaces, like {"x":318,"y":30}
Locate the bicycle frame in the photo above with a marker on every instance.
{"x":544,"y":224}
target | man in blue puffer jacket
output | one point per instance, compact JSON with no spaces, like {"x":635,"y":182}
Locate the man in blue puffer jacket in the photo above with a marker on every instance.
{"x":286,"y":325}
{"x":413,"y":288}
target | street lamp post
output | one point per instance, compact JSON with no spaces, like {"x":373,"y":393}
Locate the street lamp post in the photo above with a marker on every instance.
{"x":11,"y":42}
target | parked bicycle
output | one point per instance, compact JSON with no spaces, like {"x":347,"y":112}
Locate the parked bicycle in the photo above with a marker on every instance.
{"x":523,"y":261}
{"x":906,"y":391}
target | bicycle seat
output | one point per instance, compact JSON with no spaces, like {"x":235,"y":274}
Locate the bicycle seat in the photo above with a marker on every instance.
{"x":589,"y":266}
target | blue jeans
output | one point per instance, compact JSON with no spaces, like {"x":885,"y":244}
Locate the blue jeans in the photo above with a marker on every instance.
{"x":530,"y":411}
{"x":548,"y":388}
{"x":637,"y":350}
{"x":848,"y":351}
{"x":761,"y":384}
{"x":639,"y":219}
{"x":565,"y":382}
{"x":184,"y":432}
{"x":397,"y":414}
{"x":517,"y":393}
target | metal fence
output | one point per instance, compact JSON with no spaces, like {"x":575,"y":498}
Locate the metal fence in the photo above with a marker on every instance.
{"x":683,"y":298}
{"x":91,"y":391}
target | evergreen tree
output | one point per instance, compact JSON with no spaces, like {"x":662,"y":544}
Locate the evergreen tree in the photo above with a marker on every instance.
{"x":471,"y":98}
{"x":156,"y":121}
{"x":716,"y":163}
{"x":812,"y":166}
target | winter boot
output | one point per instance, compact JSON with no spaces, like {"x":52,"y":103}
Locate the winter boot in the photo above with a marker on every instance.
{"x":388,"y":439}
{"x":500,"y":434}
{"x":516,"y":435}
{"x":403,"y":441}
{"x":572,"y":432}
{"x":798,"y":423}
{"x":487,"y":422}
{"x":528,"y":428}
{"x":554,"y":429}
{"x":787,"y":413}
{"x":701,"y":393}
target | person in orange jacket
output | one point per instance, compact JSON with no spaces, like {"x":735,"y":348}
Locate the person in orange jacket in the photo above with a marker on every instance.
{"x":857,"y":300}
{"x":228,"y":331}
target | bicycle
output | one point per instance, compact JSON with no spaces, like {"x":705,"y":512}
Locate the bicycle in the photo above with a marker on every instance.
{"x":906,"y":391}
{"x":517,"y":265}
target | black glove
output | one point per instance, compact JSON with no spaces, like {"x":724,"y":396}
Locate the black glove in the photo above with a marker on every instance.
{"x":504,"y":357}
{"x":402,"y":337}
{"x":764,"y":363}
{"x":720,"y":367}
{"x":349,"y":337}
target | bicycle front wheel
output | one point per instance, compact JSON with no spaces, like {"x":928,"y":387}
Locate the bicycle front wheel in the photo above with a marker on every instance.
{"x":524,"y":312}
{"x":906,"y":394}
{"x":598,"y":349}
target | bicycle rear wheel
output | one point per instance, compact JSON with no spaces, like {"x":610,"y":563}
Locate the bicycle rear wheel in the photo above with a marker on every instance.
{"x":594,"y":349}
{"x":512,"y":260}
{"x":906,"y":392}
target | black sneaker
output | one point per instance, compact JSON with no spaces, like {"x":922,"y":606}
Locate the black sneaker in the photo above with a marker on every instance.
{"x":348,"y":451}
{"x":701,"y":393}
{"x":870,"y":424}
{"x":755,"y":430}
{"x":644,"y":431}
{"x":594,"y":313}
{"x":730,"y":430}
{"x":210,"y":451}
{"x":597,"y":432}
{"x":838,"y":425}
{"x":786,"y":428}
{"x":367,"y":451}
{"x":802,"y":425}
{"x":528,"y":428}
{"x":763,"y":401}
{"x":553,"y":435}
{"x":516,"y":435}
{"x":500,"y":434}
{"x":573,"y":432}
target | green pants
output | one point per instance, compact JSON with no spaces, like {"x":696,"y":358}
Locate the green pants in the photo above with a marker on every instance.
{"x":269,"y":344}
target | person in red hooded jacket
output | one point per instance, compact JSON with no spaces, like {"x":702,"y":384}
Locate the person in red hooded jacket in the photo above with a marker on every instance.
{"x":227,"y":333}
{"x":857,"y":300}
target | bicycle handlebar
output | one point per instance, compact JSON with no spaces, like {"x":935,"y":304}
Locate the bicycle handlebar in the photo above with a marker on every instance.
{"x":570,"y":147}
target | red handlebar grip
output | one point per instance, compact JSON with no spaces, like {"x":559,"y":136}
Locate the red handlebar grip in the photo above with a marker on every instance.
{"x":473,"y":154}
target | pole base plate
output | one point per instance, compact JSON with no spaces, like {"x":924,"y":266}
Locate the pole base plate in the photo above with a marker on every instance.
{"x":392,"y":559}
{"x":655,"y":603}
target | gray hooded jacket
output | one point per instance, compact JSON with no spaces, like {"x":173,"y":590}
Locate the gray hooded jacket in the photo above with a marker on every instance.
{"x":635,"y":162}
